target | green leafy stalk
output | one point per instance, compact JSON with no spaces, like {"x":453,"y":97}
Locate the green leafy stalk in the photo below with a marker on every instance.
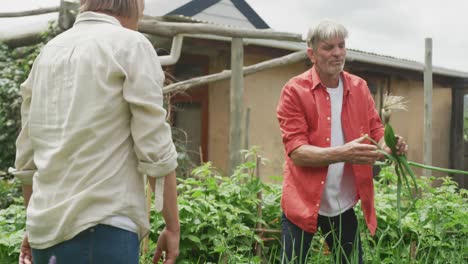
{"x":390,"y":139}
{"x":434,"y":168}
{"x":405,"y":174}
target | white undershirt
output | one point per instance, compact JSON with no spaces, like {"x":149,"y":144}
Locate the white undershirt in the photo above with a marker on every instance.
{"x":122,"y":222}
{"x":339,"y":193}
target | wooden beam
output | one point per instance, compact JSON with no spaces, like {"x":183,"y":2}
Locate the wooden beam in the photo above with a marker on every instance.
{"x":226,"y":74}
{"x":427,"y":157}
{"x":236,"y":103}
{"x":170,"y":29}
{"x":22,"y":40}
{"x":67,"y":14}
{"x":35,"y":12}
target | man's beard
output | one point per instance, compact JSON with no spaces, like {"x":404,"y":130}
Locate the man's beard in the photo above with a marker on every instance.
{"x":335,"y":69}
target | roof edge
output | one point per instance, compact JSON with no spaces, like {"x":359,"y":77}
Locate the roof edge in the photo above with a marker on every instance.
{"x":351,"y":55}
{"x":250,"y":14}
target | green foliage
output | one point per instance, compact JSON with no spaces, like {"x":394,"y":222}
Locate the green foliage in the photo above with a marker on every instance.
{"x":9,"y":191}
{"x":218,"y":214}
{"x":15,"y":64}
{"x":12,"y":224}
{"x":434,"y":231}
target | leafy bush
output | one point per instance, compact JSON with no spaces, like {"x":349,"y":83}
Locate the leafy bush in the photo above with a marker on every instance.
{"x":435,"y":231}
{"x":218,"y":214}
{"x":15,"y":64}
{"x":9,"y":191}
{"x":12,"y":225}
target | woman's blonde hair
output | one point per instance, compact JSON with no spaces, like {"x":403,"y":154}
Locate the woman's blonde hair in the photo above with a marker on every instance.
{"x":123,"y":8}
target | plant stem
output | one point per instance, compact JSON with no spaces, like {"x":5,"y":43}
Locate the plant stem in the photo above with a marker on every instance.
{"x":436,"y":168}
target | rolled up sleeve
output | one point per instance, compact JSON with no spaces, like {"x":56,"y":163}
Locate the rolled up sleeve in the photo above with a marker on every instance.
{"x":291,"y":120}
{"x":24,"y":163}
{"x":151,"y":133}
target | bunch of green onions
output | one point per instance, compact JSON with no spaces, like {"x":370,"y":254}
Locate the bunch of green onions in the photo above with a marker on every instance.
{"x":405,"y":175}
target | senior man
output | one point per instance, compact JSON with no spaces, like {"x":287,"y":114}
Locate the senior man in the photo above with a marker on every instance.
{"x":325,"y":115}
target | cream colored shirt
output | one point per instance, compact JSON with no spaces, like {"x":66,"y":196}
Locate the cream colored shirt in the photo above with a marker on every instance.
{"x":92,"y":126}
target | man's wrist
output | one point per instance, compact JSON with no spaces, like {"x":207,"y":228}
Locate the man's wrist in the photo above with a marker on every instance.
{"x":173,"y":227}
{"x":336,"y":154}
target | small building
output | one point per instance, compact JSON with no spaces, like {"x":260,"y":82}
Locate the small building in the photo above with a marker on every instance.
{"x":204,"y":112}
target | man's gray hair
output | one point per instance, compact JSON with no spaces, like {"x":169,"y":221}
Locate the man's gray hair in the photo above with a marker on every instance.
{"x":325,"y":30}
{"x":122,"y":8}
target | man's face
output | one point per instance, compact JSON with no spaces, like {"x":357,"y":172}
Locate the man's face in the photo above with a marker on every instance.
{"x":329,"y":58}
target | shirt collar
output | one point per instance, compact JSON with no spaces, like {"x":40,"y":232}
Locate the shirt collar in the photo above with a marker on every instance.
{"x":316,"y":82}
{"x":95,"y":16}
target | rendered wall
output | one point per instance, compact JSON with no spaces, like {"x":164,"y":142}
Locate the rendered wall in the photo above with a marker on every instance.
{"x":410,"y":124}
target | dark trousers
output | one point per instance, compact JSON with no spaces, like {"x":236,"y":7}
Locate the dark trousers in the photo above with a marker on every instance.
{"x":296,"y":242}
{"x":100,"y":244}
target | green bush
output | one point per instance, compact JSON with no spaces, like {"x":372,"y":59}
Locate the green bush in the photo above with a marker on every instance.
{"x":12,"y":225}
{"x":218,"y":215}
{"x":435,"y":231}
{"x":9,"y":191}
{"x":15,"y":64}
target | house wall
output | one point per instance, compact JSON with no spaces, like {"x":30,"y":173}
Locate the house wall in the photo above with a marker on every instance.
{"x":261,"y":95}
{"x":218,"y":129}
{"x":262,"y":92}
{"x":410,"y":124}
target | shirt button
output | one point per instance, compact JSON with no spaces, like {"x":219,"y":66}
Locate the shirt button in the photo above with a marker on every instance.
{"x":328,"y":98}
{"x":328,"y":118}
{"x":318,"y":205}
{"x":322,"y":182}
{"x":328,"y":139}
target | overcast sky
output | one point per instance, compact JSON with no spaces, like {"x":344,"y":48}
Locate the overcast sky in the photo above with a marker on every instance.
{"x":386,"y":27}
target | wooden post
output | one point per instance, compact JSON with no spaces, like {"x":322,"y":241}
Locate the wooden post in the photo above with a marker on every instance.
{"x":67,"y":14}
{"x":236,"y":103}
{"x":258,"y":249}
{"x":247,"y":128}
{"x":428,"y":106}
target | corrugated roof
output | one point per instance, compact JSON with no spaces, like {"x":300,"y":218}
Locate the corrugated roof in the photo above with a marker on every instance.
{"x":352,"y":55}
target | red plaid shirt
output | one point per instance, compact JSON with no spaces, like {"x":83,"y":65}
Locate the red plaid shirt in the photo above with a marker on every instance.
{"x":304,"y":112}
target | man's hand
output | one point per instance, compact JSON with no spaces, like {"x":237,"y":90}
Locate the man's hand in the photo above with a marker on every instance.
{"x":168,"y":242}
{"x":401,"y":146}
{"x":356,"y":152}
{"x":25,"y":256}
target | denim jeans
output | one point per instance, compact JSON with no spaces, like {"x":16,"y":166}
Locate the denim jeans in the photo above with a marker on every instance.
{"x":296,"y":242}
{"x":99,"y":244}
